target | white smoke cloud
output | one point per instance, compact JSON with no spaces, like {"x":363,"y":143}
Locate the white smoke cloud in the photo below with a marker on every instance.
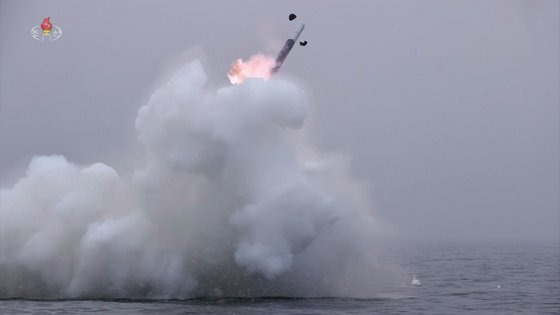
{"x":230,"y":201}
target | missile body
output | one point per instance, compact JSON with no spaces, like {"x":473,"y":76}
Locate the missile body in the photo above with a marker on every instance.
{"x":287,"y":48}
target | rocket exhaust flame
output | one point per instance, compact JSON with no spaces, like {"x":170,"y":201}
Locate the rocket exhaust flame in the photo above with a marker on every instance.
{"x":258,"y":66}
{"x":261,"y":66}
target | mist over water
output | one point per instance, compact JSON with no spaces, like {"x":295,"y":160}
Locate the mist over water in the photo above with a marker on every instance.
{"x":230,"y":200}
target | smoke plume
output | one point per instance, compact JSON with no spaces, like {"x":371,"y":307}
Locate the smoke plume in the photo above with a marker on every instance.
{"x":229,"y":201}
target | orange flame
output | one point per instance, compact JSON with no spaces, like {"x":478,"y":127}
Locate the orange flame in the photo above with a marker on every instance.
{"x":258,"y":66}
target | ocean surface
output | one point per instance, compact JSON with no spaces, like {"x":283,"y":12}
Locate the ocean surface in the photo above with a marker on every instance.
{"x":456,"y":278}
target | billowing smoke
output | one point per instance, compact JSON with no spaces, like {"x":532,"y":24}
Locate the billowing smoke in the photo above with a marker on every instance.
{"x":258,"y":66}
{"x":230,"y":201}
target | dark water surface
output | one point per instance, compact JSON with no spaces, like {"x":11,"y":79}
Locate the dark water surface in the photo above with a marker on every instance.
{"x":456,"y":278}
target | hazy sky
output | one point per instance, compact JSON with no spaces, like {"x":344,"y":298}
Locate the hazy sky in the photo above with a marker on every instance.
{"x":450,"y":109}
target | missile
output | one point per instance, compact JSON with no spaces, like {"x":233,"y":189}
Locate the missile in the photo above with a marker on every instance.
{"x":287,"y":48}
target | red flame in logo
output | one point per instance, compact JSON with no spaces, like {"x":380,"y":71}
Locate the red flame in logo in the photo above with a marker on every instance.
{"x":46,"y":25}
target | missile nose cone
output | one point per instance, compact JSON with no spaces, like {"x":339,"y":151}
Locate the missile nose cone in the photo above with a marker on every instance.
{"x":303,"y":43}
{"x":292,"y":17}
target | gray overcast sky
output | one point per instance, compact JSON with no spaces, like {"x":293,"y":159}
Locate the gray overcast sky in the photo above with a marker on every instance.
{"x":449,"y":108}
